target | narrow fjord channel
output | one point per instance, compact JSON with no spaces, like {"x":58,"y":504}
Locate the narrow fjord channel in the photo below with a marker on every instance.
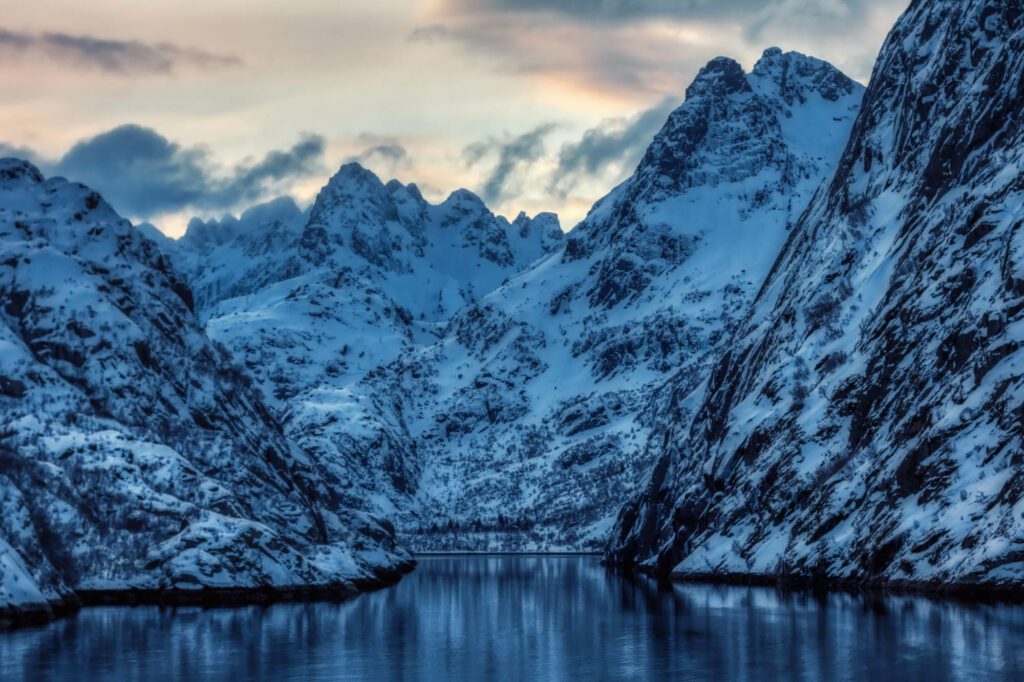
{"x":507,"y":617}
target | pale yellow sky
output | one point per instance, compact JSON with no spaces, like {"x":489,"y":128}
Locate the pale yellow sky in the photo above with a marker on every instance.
{"x":432,"y":76}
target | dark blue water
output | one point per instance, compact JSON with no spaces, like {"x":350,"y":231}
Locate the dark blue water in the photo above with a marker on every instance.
{"x":533,"y":618}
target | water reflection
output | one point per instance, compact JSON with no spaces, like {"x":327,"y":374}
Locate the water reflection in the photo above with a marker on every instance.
{"x":528,"y":618}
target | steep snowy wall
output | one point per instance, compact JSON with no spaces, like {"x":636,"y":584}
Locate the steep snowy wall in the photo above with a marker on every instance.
{"x":865,"y":425}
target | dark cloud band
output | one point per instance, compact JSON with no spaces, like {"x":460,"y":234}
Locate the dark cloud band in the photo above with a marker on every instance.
{"x":143,"y":174}
{"x":121,"y":57}
{"x":616,"y":142}
{"x":513,"y":154}
{"x":621,"y":47}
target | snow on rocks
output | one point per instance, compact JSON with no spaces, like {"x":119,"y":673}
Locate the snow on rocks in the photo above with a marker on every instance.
{"x":535,"y":416}
{"x":489,"y":385}
{"x":313,"y":304}
{"x":135,"y":455}
{"x":863,"y":426}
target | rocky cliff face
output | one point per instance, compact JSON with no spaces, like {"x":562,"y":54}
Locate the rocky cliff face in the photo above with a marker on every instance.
{"x":133,"y":454}
{"x":529,"y":420}
{"x":864,"y":424}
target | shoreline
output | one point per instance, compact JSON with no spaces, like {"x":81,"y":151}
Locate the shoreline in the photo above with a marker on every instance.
{"x":961,"y":592}
{"x":206,"y":597}
{"x":504,"y":553}
{"x":232,"y":597}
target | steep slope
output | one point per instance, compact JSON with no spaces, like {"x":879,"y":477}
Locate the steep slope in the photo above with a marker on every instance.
{"x":865,"y":426}
{"x":530,"y":417}
{"x":20,"y":595}
{"x":133,"y":455}
{"x":31,"y":589}
{"x":311,"y":304}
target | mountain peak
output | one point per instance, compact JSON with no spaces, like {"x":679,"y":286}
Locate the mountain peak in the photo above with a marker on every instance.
{"x":545,"y":225}
{"x":13,"y":170}
{"x":414,"y":191}
{"x":721,"y":76}
{"x":408,"y":195}
{"x":211,"y":233}
{"x":281,"y":209}
{"x":465,"y":201}
{"x":463,"y":204}
{"x":355,"y":191}
{"x":732,"y":128}
{"x":794,"y":76}
{"x":354,"y":172}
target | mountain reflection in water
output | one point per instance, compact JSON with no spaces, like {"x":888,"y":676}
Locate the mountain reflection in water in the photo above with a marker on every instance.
{"x":534,"y":618}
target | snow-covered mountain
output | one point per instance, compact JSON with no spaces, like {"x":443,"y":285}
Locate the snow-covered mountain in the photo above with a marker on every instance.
{"x":133,"y":454}
{"x":487,"y":384}
{"x":802,"y":312}
{"x":231,"y":257}
{"x":312,"y":303}
{"x":530,"y":418}
{"x":865,"y":424}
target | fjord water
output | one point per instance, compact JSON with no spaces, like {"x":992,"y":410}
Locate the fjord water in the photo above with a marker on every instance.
{"x":533,"y":618}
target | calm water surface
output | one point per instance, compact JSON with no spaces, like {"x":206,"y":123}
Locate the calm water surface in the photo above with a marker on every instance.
{"x":533,"y":618}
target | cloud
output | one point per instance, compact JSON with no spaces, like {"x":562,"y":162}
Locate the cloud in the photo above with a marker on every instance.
{"x":513,"y":153}
{"x":643,"y":48}
{"x":616,"y":144}
{"x":608,"y":60}
{"x":120,"y":57}
{"x":143,"y":174}
{"x":639,"y":10}
{"x":381,"y":153}
{"x":18,"y":152}
{"x":250,"y":179}
{"x":607,"y":10}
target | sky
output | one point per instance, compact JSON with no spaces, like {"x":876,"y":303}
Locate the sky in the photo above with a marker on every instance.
{"x":181,"y":108}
